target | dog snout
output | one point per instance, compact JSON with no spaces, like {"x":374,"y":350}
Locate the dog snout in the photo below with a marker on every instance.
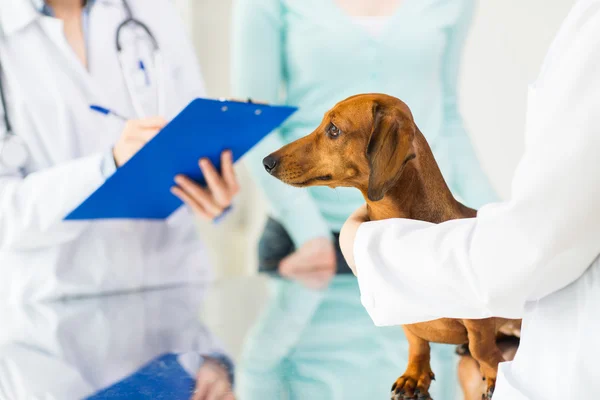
{"x":270,"y":163}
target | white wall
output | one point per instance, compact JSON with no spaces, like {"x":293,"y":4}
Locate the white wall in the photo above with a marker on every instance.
{"x":504,"y":51}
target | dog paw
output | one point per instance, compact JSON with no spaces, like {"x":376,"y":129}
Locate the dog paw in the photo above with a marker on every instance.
{"x":412,"y":386}
{"x":489,"y":394}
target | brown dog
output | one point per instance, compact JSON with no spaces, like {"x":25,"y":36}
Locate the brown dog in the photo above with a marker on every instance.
{"x":372,"y":143}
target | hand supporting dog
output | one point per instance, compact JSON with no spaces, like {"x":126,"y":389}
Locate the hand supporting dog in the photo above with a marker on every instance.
{"x":348,"y":234}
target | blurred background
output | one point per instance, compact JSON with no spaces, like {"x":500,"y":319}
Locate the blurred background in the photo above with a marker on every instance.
{"x":504,"y":51}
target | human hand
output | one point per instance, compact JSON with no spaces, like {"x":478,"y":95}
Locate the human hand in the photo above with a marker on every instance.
{"x":135,"y":135}
{"x":313,"y":264}
{"x":348,"y":234}
{"x":212,"y":382}
{"x":210,"y":202}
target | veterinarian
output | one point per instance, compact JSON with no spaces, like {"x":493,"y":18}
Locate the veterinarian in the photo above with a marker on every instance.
{"x":534,"y":256}
{"x":58,"y":58}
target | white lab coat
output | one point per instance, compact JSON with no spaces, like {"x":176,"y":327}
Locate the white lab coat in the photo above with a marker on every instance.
{"x":73,"y":349}
{"x":49,"y":92}
{"x":527,"y":257}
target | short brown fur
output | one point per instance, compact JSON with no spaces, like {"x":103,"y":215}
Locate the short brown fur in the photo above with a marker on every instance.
{"x":380,"y":151}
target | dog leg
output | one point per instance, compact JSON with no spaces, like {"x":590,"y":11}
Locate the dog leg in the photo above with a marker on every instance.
{"x":469,"y":377}
{"x":482,"y":344}
{"x":415,"y":382}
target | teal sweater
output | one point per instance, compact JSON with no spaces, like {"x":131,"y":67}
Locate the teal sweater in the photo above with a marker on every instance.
{"x":310,"y":54}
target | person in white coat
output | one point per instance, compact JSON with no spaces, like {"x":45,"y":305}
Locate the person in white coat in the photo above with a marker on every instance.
{"x":534,"y":256}
{"x":58,"y":57}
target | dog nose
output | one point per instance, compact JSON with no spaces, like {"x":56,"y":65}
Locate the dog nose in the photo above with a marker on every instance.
{"x":270,"y":162}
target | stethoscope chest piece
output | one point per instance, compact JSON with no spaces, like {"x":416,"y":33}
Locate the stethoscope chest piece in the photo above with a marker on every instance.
{"x":13,"y":152}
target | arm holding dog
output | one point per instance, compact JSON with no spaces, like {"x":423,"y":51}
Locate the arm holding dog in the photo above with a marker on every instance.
{"x":540,"y":241}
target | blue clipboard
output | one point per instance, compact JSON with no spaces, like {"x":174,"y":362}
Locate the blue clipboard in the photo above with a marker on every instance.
{"x":140,"y":189}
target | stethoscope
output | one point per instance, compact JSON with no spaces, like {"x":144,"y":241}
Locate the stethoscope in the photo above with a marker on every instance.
{"x":158,"y":61}
{"x":13,"y":149}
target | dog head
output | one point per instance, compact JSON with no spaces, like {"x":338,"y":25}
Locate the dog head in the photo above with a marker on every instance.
{"x":364,"y":141}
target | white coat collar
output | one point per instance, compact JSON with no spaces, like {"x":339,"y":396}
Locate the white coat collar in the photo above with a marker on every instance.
{"x":15,"y":15}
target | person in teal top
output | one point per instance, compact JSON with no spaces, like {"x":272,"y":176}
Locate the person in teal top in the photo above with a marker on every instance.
{"x":314,"y":53}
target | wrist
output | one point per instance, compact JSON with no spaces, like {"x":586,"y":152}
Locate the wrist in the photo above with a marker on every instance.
{"x":108,"y":164}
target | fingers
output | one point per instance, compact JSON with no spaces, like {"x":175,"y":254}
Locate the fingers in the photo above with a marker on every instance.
{"x":152,"y":123}
{"x":315,"y":279}
{"x":148,"y":134}
{"x":224,"y":187}
{"x":215,"y":183}
{"x":191,"y":203}
{"x":311,"y":276}
{"x":210,"y":202}
{"x":348,"y":235}
{"x":212,"y":383}
{"x":142,"y":136}
{"x":218,"y":390}
{"x":361,"y":214}
{"x":289,"y":268}
{"x":229,"y":172}
{"x":188,"y":201}
{"x":315,"y":253}
{"x":202,"y":388}
{"x":199,"y":199}
{"x":293,"y":265}
{"x":135,"y":135}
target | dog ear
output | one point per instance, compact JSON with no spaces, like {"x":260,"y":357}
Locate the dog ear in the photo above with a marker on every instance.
{"x":389,"y":149}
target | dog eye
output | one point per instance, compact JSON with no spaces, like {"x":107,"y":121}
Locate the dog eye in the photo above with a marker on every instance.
{"x":333,"y":131}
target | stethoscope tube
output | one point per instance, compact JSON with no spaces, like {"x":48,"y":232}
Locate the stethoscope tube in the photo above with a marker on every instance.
{"x":157,"y":59}
{"x":13,"y":152}
{"x":7,"y":124}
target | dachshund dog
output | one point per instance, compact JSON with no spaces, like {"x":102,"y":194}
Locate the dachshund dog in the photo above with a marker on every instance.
{"x":371,"y":142}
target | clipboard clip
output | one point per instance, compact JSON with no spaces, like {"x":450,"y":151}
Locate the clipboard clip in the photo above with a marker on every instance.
{"x":258,"y":111}
{"x":249,"y":100}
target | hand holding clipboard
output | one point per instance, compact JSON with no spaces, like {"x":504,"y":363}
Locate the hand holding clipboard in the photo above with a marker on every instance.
{"x":140,"y":189}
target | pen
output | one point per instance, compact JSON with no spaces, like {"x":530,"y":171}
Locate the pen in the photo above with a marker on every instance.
{"x":143,"y":69}
{"x":106,"y":111}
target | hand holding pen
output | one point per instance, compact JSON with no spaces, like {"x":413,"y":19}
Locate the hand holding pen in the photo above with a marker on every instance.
{"x":136,"y":133}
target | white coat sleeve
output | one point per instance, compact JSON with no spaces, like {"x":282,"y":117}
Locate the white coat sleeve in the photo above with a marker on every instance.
{"x":538,"y":242}
{"x":32,"y":207}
